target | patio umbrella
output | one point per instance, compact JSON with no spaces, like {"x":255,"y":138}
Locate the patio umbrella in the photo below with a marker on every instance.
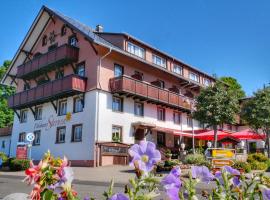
{"x":209,"y":135}
{"x":248,"y":134}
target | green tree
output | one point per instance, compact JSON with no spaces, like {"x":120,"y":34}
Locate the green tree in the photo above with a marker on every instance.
{"x":256,"y":113}
{"x":215,"y":106}
{"x":234,"y":86}
{"x":6,"y":114}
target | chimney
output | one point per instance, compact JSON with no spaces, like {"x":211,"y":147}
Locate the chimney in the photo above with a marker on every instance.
{"x":99,"y":28}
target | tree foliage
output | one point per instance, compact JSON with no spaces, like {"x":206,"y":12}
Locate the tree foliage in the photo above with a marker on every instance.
{"x":234,"y":86}
{"x":6,"y":114}
{"x":215,"y":106}
{"x":256,"y":113}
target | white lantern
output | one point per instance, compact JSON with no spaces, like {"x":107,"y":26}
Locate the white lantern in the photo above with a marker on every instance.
{"x":263,"y":144}
{"x":183,"y":145}
{"x":209,"y":144}
{"x":242,"y":144}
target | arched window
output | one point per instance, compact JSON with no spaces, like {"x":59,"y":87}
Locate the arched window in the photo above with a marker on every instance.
{"x":63,"y":30}
{"x":44,"y":40}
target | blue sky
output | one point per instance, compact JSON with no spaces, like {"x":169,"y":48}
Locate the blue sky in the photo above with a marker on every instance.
{"x":225,"y":37}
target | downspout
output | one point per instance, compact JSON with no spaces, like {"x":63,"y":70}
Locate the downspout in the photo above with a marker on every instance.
{"x":97,"y":97}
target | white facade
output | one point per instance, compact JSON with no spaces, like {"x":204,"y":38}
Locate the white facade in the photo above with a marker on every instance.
{"x":5,"y":144}
{"x":48,"y":125}
{"x":105,"y":119}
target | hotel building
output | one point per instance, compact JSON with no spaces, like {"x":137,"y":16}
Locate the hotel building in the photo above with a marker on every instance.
{"x":88,"y":94}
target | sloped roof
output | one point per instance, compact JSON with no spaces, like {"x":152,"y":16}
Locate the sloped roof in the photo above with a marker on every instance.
{"x":42,"y":19}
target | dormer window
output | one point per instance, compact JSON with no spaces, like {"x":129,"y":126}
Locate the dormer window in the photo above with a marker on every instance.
{"x":194,"y":77}
{"x":44,"y":40}
{"x":63,"y":30}
{"x":73,"y":41}
{"x":206,"y":82}
{"x":177,"y":69}
{"x":136,"y":50}
{"x":159,"y":61}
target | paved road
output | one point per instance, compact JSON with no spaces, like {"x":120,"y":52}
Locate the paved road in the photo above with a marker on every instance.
{"x":14,"y":184}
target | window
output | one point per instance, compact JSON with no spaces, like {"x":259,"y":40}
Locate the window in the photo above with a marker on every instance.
{"x":161,"y":138}
{"x":38,"y":113}
{"x":207,"y":82}
{"x":118,"y":70}
{"x":136,"y":50}
{"x":26,"y":86}
{"x":36,"y":141}
{"x":63,"y":30}
{"x":73,"y":41}
{"x":60,"y":134}
{"x":194,"y":77}
{"x":117,"y":133}
{"x":176,"y":141}
{"x":159,"y":61}
{"x":177,"y":117}
{"x":80,"y":70}
{"x":162,"y":84}
{"x":76,"y":133}
{"x":78,"y":104}
{"x":138,"y":108}
{"x":189,"y":121}
{"x":59,"y":74}
{"x":3,"y":144}
{"x":161,"y":114}
{"x":62,"y":108}
{"x":22,"y":137}
{"x":23,"y":116}
{"x":117,"y":104}
{"x":201,"y":125}
{"x":177,"y":69}
{"x":44,"y":40}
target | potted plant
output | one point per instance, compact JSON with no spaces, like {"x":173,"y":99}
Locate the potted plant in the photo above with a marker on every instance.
{"x":168,"y":154}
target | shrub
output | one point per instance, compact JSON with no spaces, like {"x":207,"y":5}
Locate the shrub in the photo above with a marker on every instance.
{"x":4,"y":158}
{"x":257,"y":157}
{"x":255,"y":165}
{"x":193,"y":159}
{"x":242,"y":165}
{"x":19,"y":165}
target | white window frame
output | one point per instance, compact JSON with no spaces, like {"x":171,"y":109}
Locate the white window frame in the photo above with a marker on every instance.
{"x":177,"y":117}
{"x":206,"y":82}
{"x":136,"y":50}
{"x":139,"y":109}
{"x":194,"y":77}
{"x":62,"y":108}
{"x":117,"y":131}
{"x":78,"y":105}
{"x":23,"y":116}
{"x":161,"y":114}
{"x":75,"y":134}
{"x":22,"y":136}
{"x":36,"y":141}
{"x":180,"y":71}
{"x":61,"y":134}
{"x":117,"y":100}
{"x":157,"y":60}
{"x":38,"y":113}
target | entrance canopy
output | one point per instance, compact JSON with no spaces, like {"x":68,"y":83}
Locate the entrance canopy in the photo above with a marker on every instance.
{"x":248,"y":134}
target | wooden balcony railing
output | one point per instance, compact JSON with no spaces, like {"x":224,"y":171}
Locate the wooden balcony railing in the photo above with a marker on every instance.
{"x":146,"y":91}
{"x":60,"y":56}
{"x":67,"y":86}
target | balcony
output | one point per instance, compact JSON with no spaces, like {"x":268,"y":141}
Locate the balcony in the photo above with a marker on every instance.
{"x":144,"y":91}
{"x":67,"y":86}
{"x":60,"y":56}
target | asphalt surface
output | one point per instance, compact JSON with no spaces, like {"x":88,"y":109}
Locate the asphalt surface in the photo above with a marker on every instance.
{"x":13,"y":184}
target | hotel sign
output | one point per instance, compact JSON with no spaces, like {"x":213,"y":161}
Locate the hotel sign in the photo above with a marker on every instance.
{"x":51,"y":122}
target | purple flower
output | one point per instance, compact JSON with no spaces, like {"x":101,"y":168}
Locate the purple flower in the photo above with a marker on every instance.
{"x":202,"y":173}
{"x":231,"y":170}
{"x":172,"y":183}
{"x":145,"y":155}
{"x":266,"y":194}
{"x":119,"y":196}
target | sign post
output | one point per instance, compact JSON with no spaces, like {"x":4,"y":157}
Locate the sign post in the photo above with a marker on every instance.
{"x":221,"y":157}
{"x":30,"y":138}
